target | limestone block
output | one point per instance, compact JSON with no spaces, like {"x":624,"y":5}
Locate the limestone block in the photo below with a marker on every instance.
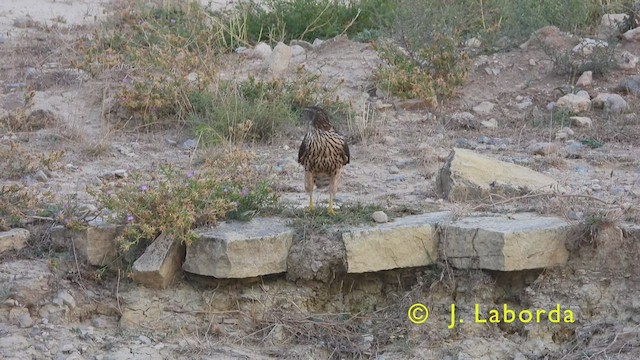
{"x":468,"y":175}
{"x":160,"y":263}
{"x":96,"y":244}
{"x":407,"y":242}
{"x":518,"y":242}
{"x":240,"y":249}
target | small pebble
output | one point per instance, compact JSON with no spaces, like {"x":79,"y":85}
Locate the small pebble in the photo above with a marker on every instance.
{"x":145,"y":340}
{"x":25,"y":321}
{"x":380,"y":217}
{"x":67,"y":348}
{"x":121,"y":173}
{"x":397,"y":178}
{"x":64,"y":297}
{"x":188,"y":144}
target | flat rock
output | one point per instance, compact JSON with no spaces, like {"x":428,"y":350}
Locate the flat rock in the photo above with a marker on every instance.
{"x":627,"y":61}
{"x":240,"y":249}
{"x":160,"y":263}
{"x":612,"y":103}
{"x":519,"y":242}
{"x":26,"y":281}
{"x":632,"y":35}
{"x":95,"y":244}
{"x":586,"y":79}
{"x":484,"y":108}
{"x":407,"y":242}
{"x":543,"y":149}
{"x":263,"y":50}
{"x":468,"y":175}
{"x":575,"y":103}
{"x":14,"y":239}
{"x":580,"y":121}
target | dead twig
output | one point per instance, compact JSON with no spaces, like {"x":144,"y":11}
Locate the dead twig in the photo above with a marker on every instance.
{"x":532,"y":196}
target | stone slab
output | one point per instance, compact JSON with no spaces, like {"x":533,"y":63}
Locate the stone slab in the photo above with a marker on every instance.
{"x":469,"y":175}
{"x":519,"y":242}
{"x":240,"y":249}
{"x":96,"y":244}
{"x":407,"y":242}
{"x":160,"y":263}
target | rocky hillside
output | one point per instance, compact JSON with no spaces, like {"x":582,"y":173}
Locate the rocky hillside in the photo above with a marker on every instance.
{"x":500,"y":223}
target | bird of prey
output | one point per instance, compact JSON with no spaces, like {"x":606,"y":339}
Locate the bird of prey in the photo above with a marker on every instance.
{"x":323,"y":153}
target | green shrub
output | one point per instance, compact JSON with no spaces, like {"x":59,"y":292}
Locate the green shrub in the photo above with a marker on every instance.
{"x":497,"y":23}
{"x":158,"y":54}
{"x":567,"y":62}
{"x":430,"y":73}
{"x":254,"y":110}
{"x":282,"y":20}
{"x":428,"y":62}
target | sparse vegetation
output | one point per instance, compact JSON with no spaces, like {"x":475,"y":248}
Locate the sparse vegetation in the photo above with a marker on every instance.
{"x":157,"y":55}
{"x":425,"y":61}
{"x":24,"y":119}
{"x":171,"y":55}
{"x":355,"y":214}
{"x":252,"y":109}
{"x":17,"y":202}
{"x":173,"y":202}
{"x":18,"y":161}
{"x":69,"y":213}
{"x":430,"y":73}
{"x":428,"y":60}
{"x":592,"y":143}
{"x":601,"y":60}
{"x":277,"y":20}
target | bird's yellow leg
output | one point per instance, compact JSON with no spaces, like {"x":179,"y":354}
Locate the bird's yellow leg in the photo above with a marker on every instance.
{"x":330,"y":210}
{"x":310,"y":201}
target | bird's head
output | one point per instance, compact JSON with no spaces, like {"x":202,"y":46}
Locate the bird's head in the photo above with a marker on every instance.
{"x":316,"y":117}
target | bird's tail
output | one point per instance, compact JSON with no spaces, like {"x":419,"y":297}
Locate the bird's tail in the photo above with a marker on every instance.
{"x":321,"y":181}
